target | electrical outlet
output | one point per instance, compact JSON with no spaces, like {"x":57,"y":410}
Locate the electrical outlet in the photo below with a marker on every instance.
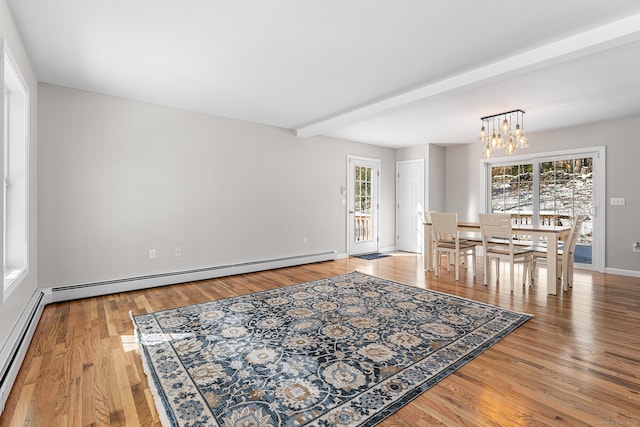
{"x":618,"y":201}
{"x":636,"y":246}
{"x":152,"y":254}
{"x":305,"y":240}
{"x":177,"y":251}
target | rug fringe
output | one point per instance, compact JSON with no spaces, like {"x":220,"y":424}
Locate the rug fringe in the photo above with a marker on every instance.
{"x":153,"y":388}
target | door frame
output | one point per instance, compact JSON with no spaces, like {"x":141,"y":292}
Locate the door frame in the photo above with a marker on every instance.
{"x":599,"y":197}
{"x":349,"y":211}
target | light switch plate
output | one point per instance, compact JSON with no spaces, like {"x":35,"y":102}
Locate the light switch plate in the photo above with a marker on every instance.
{"x":617,"y":201}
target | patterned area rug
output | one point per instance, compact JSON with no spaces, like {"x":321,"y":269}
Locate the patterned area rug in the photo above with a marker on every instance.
{"x":344,"y":351}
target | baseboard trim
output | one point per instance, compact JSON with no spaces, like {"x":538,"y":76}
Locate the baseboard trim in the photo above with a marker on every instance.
{"x":621,"y":272}
{"x":13,"y":352}
{"x":87,"y":290}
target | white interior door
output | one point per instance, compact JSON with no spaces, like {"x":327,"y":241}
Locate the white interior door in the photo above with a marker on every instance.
{"x":409,"y":205}
{"x":362,"y":217}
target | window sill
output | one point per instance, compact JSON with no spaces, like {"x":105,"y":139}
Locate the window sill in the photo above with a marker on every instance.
{"x":12,"y":278}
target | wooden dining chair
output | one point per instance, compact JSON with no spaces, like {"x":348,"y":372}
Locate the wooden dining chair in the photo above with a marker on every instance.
{"x":447,"y":240}
{"x":498,"y":226}
{"x":565,"y":254}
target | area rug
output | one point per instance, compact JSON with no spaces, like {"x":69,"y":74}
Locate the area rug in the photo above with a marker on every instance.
{"x":372,"y":256}
{"x":343,"y":351}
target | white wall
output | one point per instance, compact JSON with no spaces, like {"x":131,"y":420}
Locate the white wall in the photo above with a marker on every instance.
{"x":118,"y":177}
{"x":623,"y":151}
{"x":436,"y":179}
{"x":11,"y":309}
{"x":462,"y":176}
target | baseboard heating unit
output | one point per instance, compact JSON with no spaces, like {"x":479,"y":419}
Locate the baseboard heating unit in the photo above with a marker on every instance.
{"x":86,"y":290}
{"x":13,"y":351}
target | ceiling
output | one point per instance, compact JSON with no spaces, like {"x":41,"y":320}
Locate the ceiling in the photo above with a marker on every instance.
{"x":394,"y":73}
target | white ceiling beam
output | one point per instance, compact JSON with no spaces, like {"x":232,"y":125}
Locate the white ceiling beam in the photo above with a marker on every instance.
{"x":617,"y":33}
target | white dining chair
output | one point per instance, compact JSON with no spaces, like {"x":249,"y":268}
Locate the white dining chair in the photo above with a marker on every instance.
{"x":565,"y":254}
{"x":498,"y":226}
{"x":447,"y":240}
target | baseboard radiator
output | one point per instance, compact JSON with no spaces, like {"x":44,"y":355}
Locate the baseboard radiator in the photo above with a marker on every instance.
{"x":13,"y":352}
{"x":86,"y":290}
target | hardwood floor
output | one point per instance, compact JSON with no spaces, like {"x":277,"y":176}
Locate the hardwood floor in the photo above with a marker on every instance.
{"x":576,"y":363}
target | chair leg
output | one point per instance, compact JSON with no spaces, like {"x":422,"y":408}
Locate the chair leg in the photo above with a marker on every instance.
{"x":527,"y":270}
{"x":531,"y":264}
{"x":569,"y":272}
{"x":511,"y":275}
{"x":473,"y":261}
{"x":456,"y":257}
{"x":486,"y":269}
{"x":533,"y":267}
{"x":437,"y":263}
{"x":497,"y":271}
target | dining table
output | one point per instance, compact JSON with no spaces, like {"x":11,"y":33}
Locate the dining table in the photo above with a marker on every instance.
{"x":553,"y":234}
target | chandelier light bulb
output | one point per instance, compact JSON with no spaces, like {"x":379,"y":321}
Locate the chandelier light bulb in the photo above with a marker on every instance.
{"x":500,"y":141}
{"x":483,"y":134}
{"x":488,"y":152}
{"x":510,"y":148}
{"x":518,"y":132}
{"x":505,"y":126}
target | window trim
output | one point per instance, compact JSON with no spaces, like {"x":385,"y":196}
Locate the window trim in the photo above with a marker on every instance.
{"x":8,"y":59}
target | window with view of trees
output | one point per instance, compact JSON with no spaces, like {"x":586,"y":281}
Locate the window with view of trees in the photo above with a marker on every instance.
{"x":549,"y":192}
{"x":566,"y":190}
{"x":512,"y":189}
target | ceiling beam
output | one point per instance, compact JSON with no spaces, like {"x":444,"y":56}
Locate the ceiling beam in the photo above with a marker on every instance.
{"x":605,"y":37}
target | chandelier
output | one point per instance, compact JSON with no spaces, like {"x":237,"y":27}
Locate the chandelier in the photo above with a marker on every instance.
{"x":498,"y":133}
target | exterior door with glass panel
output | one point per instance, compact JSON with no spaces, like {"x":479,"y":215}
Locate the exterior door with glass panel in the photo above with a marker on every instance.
{"x":362,"y":218}
{"x":566,"y":190}
{"x":551,"y":191}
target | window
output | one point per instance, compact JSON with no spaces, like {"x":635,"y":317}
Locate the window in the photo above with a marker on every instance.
{"x":15,"y":143}
{"x":564,"y":189}
{"x":362,"y":204}
{"x":551,"y":189}
{"x":512,"y":190}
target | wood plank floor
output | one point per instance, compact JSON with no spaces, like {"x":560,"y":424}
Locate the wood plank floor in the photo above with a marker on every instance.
{"x":576,"y":363}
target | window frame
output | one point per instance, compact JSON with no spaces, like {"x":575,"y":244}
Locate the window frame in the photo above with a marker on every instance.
{"x":14,"y":84}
